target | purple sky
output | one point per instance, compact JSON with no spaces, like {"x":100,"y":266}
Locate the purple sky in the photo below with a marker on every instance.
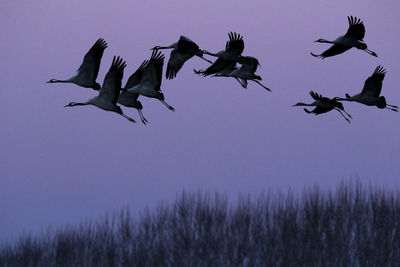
{"x":63,"y":165}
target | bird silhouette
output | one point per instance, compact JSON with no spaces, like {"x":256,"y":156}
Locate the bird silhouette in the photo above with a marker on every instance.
{"x":247,"y":70}
{"x":130,"y":99}
{"x":150,"y":83}
{"x":227,"y":71}
{"x":370,"y":95}
{"x":353,"y":38}
{"x":233,"y":49}
{"x":109,"y":92}
{"x":324,"y":104}
{"x":182,"y":51}
{"x":87,"y":73}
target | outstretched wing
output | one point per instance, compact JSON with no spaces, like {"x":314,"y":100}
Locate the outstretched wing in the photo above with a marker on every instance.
{"x":136,"y":77}
{"x":175,"y":62}
{"x":373,"y":85}
{"x":315,"y":95}
{"x":218,"y":66}
{"x":133,"y":80}
{"x":235,"y":45}
{"x":356,"y":28}
{"x":187,"y":46}
{"x":319,"y":97}
{"x":227,"y":70}
{"x":90,"y":66}
{"x":113,"y":81}
{"x":152,"y":74}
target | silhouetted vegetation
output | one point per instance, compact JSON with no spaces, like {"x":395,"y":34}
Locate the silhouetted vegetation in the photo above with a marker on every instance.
{"x":351,"y":226}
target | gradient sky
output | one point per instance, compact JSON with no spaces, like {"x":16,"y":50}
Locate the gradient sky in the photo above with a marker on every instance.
{"x":63,"y":165}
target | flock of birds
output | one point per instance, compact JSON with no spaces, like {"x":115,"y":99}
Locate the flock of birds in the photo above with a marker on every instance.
{"x":370,"y":94}
{"x":146,"y":80}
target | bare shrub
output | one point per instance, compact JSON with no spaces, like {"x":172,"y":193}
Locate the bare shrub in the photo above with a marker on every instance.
{"x":353,"y":225}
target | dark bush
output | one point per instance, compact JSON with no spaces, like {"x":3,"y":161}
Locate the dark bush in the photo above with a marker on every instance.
{"x":351,"y":226}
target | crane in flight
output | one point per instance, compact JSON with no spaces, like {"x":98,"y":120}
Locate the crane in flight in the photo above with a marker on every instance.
{"x":109,"y":92}
{"x":324,"y":104}
{"x":247,"y":71}
{"x":130,"y":99}
{"x":233,"y":49}
{"x":370,"y":94}
{"x":150,"y":83}
{"x":226,"y":73}
{"x":353,"y":38}
{"x":87,"y":73}
{"x":182,"y":51}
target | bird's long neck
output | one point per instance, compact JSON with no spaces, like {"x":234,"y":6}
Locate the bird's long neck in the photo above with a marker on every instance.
{"x":174,"y":45}
{"x":70,"y":80}
{"x":304,"y":104}
{"x":58,"y":81}
{"x":72,"y":104}
{"x":325,"y":41}
{"x":163,"y":47}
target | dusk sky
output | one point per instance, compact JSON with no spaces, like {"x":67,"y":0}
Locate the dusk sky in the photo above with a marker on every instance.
{"x":64,"y":165}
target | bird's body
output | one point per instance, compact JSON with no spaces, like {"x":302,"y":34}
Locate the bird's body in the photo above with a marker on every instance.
{"x":247,"y":70}
{"x":130,"y":99}
{"x":181,"y":52}
{"x":353,"y":38}
{"x":370,"y":94}
{"x":150,"y":82}
{"x":146,"y":89}
{"x":324,"y":104}
{"x":233,"y":49}
{"x":109,"y":92}
{"x":226,"y":73}
{"x":87,"y":73}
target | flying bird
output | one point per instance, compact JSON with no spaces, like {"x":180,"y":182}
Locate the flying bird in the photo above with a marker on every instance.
{"x":150,"y":82}
{"x":233,"y":49}
{"x":87,"y":73}
{"x":353,"y":38}
{"x":182,"y":51}
{"x":130,"y":99}
{"x":372,"y":89}
{"x":324,"y":104}
{"x":109,"y":92}
{"x":247,"y":70}
{"x":227,"y":71}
